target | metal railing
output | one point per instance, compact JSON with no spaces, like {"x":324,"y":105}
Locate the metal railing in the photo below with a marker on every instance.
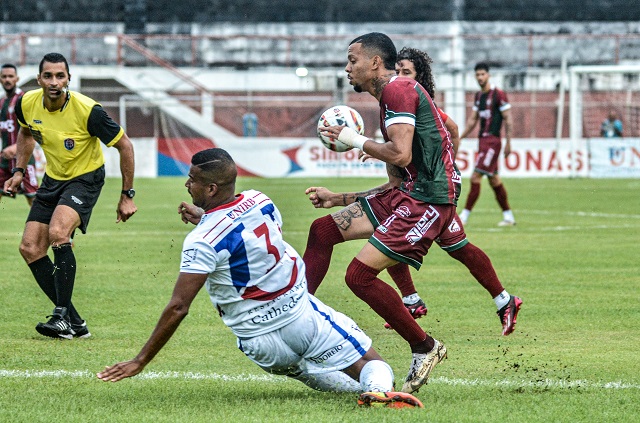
{"x":244,"y":51}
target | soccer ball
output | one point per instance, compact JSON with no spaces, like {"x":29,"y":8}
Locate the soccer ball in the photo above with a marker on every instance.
{"x":340,"y":115}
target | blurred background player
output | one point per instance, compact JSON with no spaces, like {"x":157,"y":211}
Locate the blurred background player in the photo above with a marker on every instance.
{"x":491,"y":107}
{"x":256,"y":282}
{"x":9,"y":128}
{"x":612,"y":126}
{"x":70,"y":187}
{"x":332,"y":229}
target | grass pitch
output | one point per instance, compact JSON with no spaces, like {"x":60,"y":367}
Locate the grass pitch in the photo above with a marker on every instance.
{"x":572,"y":258}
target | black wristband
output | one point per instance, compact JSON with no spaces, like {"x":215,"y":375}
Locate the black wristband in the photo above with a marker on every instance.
{"x":17,"y":169}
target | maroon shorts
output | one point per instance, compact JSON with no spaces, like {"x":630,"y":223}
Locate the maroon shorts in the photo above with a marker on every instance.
{"x":405,"y":227}
{"x":489,"y":148}
{"x":29,"y":184}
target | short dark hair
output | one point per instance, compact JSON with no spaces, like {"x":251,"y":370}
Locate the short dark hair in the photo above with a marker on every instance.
{"x":53,"y":58}
{"x":216,"y":165}
{"x":377,"y":43}
{"x":422,"y":63}
{"x":9,"y":66}
{"x":481,"y":66}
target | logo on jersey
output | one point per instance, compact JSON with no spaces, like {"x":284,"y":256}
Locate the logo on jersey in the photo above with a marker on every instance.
{"x":454,"y":227}
{"x":241,"y":208}
{"x":76,"y":199}
{"x":37,"y":121}
{"x":383,"y":227}
{"x":69,"y":143}
{"x":428,"y":218}
{"x":403,"y":211}
{"x":189,"y":256}
{"x":326,"y":355}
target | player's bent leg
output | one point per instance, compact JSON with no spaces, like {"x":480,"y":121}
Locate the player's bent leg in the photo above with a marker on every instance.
{"x":323,"y":235}
{"x":329,"y":382}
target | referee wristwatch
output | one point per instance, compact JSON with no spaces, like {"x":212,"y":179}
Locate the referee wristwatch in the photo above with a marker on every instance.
{"x":17,"y":169}
{"x":129,"y":192}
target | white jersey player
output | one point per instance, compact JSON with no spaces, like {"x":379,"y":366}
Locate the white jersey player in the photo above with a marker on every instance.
{"x":257,"y":283}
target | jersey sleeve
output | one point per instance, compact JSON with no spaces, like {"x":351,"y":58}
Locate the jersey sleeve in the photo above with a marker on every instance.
{"x":400,"y":102}
{"x":102,"y":126}
{"x":503,"y":101}
{"x":197,"y":257}
{"x":19,"y":113}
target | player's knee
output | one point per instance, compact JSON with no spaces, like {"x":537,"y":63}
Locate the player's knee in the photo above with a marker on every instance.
{"x":359,"y":275}
{"x":58,"y":236}
{"x":322,"y":232}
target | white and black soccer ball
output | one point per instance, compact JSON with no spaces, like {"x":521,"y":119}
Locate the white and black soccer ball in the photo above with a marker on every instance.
{"x":340,"y":115}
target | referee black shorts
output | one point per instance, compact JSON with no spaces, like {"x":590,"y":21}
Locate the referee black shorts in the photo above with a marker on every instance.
{"x":80,"y":193}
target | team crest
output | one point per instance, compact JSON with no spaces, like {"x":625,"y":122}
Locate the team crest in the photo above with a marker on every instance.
{"x":69,"y":143}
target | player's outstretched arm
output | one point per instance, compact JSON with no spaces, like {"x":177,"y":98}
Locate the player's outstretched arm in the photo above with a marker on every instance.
{"x":190,"y":213}
{"x":185,"y":291}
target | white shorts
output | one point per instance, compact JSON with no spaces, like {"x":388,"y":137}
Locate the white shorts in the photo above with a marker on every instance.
{"x":321,"y":340}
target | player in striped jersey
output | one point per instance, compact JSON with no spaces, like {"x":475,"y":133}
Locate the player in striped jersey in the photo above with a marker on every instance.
{"x":491,"y":108}
{"x":404,"y":221}
{"x":257,"y":283}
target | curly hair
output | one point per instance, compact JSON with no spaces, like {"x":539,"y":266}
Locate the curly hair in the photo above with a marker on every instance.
{"x":422,"y":62}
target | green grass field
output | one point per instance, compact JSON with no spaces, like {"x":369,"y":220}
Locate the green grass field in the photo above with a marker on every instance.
{"x":574,"y":357}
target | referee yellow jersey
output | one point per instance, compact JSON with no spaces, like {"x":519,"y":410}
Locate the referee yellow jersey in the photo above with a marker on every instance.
{"x":69,"y":136}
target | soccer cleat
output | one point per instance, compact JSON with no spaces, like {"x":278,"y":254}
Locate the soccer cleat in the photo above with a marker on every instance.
{"x":508,"y":314}
{"x":417,"y":310}
{"x":507,"y":223}
{"x":389,"y":400}
{"x":421,"y":367}
{"x":80,"y":330}
{"x":58,"y":326}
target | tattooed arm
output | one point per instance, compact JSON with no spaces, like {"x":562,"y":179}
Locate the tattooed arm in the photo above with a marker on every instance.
{"x":322,"y":198}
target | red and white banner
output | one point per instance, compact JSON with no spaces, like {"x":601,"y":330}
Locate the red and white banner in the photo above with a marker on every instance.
{"x":307,"y":157}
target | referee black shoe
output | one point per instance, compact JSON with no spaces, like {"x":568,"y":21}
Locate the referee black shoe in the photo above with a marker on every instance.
{"x":58,"y":326}
{"x":80,"y":330}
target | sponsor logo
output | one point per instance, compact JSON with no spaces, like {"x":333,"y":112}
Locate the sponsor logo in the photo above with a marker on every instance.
{"x":69,"y":143}
{"x":76,"y":199}
{"x":275,"y":312}
{"x":326,"y":355}
{"x":428,"y":218}
{"x":37,"y":121}
{"x":241,"y":208}
{"x":189,"y":256}
{"x":485,"y":114}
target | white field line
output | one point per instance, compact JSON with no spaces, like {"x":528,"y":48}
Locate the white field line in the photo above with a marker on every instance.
{"x":546,"y":383}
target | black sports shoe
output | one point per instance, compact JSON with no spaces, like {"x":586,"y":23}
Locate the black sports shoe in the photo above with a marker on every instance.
{"x":80,"y":330}
{"x":58,"y":326}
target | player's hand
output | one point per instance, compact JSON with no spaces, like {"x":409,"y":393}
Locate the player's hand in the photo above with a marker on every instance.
{"x":363,"y":157}
{"x":507,"y":150}
{"x":320,"y":197}
{"x":190,"y":213}
{"x":120,"y":371}
{"x":126,"y":209}
{"x":11,"y":185}
{"x":10,"y":152}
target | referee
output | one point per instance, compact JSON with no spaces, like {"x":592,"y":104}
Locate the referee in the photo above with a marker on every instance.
{"x":69,"y":127}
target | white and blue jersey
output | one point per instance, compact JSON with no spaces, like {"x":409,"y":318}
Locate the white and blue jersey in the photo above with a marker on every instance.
{"x":256,"y":280}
